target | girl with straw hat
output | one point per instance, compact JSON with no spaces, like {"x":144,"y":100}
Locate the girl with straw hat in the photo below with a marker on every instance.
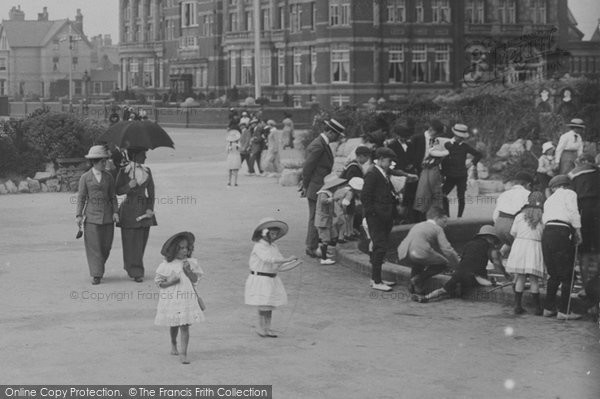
{"x":178,"y":303}
{"x":234,"y":158}
{"x":264,"y":288}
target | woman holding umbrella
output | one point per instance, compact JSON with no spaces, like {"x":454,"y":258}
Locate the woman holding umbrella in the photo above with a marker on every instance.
{"x":136,"y":212}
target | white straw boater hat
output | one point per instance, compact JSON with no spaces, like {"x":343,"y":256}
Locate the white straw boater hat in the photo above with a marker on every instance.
{"x":97,"y":152}
{"x":335,"y":126}
{"x":233,"y":135}
{"x":460,"y":130}
{"x":331,"y":181}
{"x":547,"y":146}
{"x":270,"y":223}
{"x":356,"y":183}
{"x":189,"y":237}
{"x":576,"y":123}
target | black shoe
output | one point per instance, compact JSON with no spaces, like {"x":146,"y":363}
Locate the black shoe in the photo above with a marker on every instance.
{"x":311,"y":253}
{"x":419,"y":298}
{"x":96,"y":280}
{"x":138,"y":279}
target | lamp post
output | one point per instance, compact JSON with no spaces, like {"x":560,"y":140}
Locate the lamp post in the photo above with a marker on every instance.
{"x":71,"y":38}
{"x":257,"y":57}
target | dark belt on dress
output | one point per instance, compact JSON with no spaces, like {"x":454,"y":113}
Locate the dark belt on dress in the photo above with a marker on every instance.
{"x":263,"y":274}
{"x":505,"y":215}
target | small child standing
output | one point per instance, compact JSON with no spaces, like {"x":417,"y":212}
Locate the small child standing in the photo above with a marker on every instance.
{"x":324,"y":218}
{"x":234,"y":159}
{"x":526,"y":258}
{"x":546,"y":168}
{"x":345,"y":199}
{"x":263,"y":288}
{"x":177,"y":277}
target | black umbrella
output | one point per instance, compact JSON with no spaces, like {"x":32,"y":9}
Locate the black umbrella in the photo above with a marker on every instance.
{"x":141,"y":134}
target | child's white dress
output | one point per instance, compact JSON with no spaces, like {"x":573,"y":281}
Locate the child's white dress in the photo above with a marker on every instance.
{"x":234,"y":159}
{"x":264,"y":291}
{"x":177,"y":304}
{"x":526,"y":252}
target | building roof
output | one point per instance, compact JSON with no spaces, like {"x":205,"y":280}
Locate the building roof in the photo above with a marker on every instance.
{"x":575,"y":32}
{"x":34,"y":33}
{"x":596,"y":35}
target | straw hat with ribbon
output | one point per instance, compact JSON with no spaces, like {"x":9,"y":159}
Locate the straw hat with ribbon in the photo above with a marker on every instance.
{"x":335,"y":126}
{"x":576,"y":122}
{"x":460,"y":130}
{"x":97,"y":152}
{"x":189,"y":237}
{"x":233,"y":135}
{"x":269,"y":223}
{"x":547,"y":146}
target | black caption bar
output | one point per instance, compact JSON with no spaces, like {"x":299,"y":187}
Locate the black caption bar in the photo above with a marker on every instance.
{"x":136,"y":391}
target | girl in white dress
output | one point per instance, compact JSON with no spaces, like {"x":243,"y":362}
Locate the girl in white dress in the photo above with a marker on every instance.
{"x":526,"y":257}
{"x":234,"y":158}
{"x":264,"y":288}
{"x":177,"y":277}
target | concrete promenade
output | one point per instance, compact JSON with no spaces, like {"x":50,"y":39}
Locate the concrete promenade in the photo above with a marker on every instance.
{"x":338,"y":338}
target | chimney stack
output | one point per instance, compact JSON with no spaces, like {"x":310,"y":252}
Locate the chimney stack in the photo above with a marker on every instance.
{"x":79,"y":20}
{"x":43,"y":16}
{"x":15,"y":14}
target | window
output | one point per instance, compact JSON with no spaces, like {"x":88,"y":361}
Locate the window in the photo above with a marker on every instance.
{"x":2,"y":64}
{"x":249,"y":20}
{"x":339,"y":13}
{"x":78,"y":87}
{"x":247,"y":76}
{"x":396,"y":11}
{"x":281,"y":17}
{"x":420,"y":11}
{"x":396,"y":64}
{"x":538,"y":11}
{"x":419,"y":63}
{"x":281,"y":67}
{"x":440,"y":10}
{"x":2,"y":87}
{"x":55,"y":44}
{"x":340,"y":66}
{"x":97,"y":88}
{"x":474,"y":12}
{"x":295,"y":17}
{"x":441,"y":68}
{"x":297,"y":66}
{"x":55,"y":63}
{"x":265,"y":20}
{"x":297,"y":101}
{"x":188,"y":41}
{"x":233,"y":61}
{"x":313,"y":16}
{"x":340,"y":100}
{"x":74,"y":62}
{"x":149,"y":72}
{"x":201,"y":77}
{"x":188,"y":14}
{"x":233,"y":21}
{"x":313,"y":65}
{"x":265,"y":67}
{"x":506,"y":12}
{"x":208,"y":22}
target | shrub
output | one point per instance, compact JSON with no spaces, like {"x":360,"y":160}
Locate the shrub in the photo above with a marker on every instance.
{"x":9,"y":156}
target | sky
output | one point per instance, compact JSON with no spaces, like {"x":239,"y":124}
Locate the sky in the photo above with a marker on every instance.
{"x":102,"y":16}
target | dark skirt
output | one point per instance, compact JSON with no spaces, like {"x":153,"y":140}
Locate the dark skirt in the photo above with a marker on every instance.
{"x":134,"y":244}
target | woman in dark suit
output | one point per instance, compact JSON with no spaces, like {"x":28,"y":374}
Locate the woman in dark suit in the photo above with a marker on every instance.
{"x":97,"y":201}
{"x":136,"y":212}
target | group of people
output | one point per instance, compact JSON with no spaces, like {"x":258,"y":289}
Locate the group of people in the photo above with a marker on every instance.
{"x":543,"y":223}
{"x":128,"y":113}
{"x":97,"y":211}
{"x":248,"y":136}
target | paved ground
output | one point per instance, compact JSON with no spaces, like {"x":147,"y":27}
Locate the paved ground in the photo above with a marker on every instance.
{"x":338,"y":338}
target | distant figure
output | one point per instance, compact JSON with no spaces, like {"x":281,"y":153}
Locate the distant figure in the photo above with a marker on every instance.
{"x":544,"y":106}
{"x":287,"y":136}
{"x":570,"y":146}
{"x":234,"y":159}
{"x":567,"y":108}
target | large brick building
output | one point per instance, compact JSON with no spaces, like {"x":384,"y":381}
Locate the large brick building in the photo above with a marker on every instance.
{"x":340,"y":51}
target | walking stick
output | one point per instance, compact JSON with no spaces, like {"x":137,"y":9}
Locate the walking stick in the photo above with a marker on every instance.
{"x":572,"y":281}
